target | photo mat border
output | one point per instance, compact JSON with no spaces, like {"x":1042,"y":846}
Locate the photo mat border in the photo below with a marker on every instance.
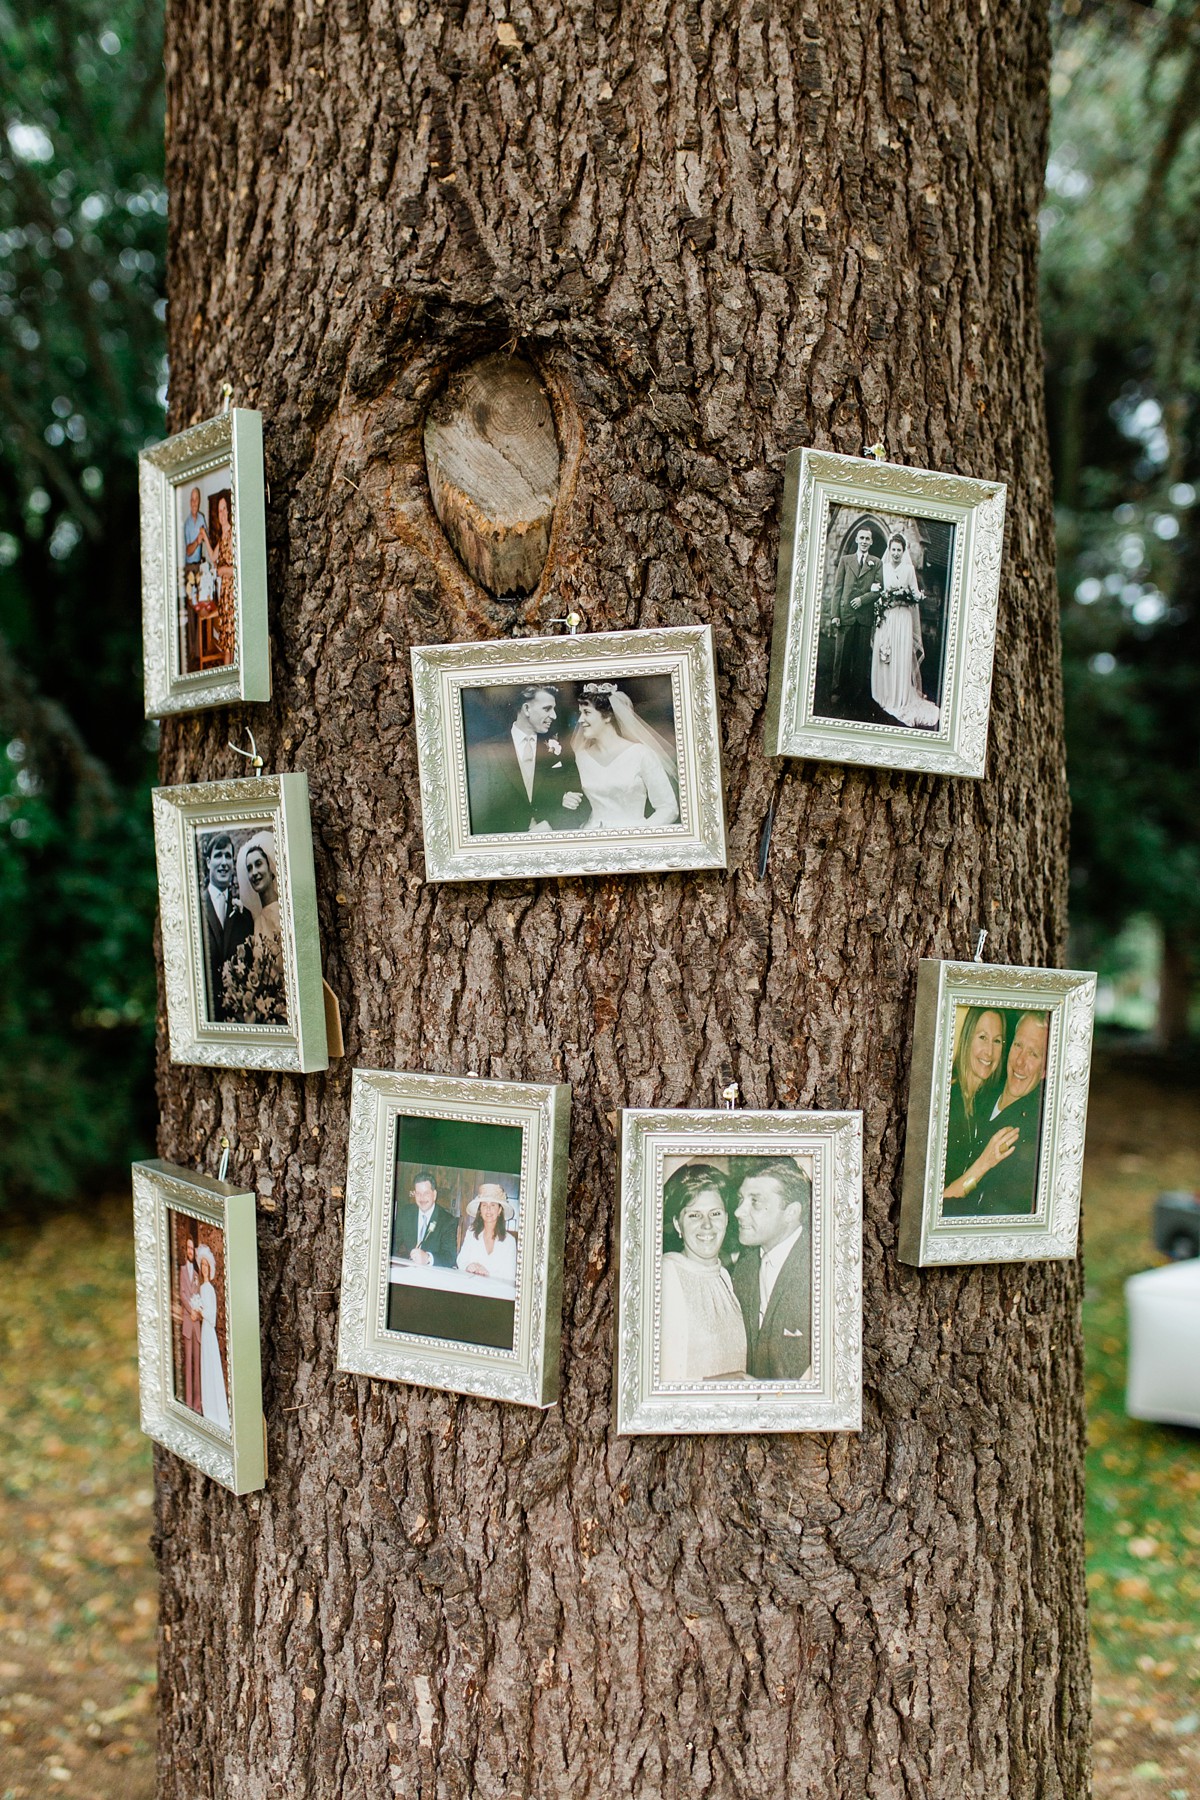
{"x":160,"y":1188}
{"x":236,"y":438}
{"x":299,"y":1047}
{"x":831,"y":1400}
{"x":528,"y":1375}
{"x":817,"y":478}
{"x":1051,"y":1232}
{"x":453,"y":853}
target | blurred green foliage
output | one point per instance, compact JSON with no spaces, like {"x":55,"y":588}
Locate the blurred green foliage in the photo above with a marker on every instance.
{"x":82,"y":374}
{"x":1121,"y":312}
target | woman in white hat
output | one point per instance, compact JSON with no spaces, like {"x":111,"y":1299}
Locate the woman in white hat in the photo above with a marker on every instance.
{"x":490,"y":1249}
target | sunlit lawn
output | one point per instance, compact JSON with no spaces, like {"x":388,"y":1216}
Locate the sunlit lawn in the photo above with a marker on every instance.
{"x":76,"y":1579}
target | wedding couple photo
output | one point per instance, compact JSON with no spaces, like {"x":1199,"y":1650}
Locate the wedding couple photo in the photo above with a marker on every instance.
{"x":588,"y":755}
{"x":882,"y":639}
{"x":997,"y":1094}
{"x":455,"y":1232}
{"x":199,"y":1333}
{"x":206,"y":580}
{"x":736,"y":1269}
{"x":237,"y":871}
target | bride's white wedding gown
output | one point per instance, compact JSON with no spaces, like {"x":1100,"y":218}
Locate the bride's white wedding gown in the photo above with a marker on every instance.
{"x":896,"y":669}
{"x":620,"y":792}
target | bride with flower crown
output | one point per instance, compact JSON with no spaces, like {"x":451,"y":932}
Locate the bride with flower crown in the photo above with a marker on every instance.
{"x":896,"y":649}
{"x":627,"y":771}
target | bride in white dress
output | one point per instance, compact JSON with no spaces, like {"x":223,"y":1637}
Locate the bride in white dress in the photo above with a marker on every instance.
{"x":627,"y":771}
{"x":214,"y":1402}
{"x":896,"y":650}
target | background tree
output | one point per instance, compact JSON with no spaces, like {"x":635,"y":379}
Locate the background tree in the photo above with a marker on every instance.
{"x":82,"y":244}
{"x":717,"y":230}
{"x":1121,"y":274}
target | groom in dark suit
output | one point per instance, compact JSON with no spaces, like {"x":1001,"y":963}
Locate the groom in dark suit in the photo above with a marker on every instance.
{"x":772,"y":1277}
{"x":527,"y":780}
{"x":858,"y":580}
{"x":423,"y":1231}
{"x":227,"y":923}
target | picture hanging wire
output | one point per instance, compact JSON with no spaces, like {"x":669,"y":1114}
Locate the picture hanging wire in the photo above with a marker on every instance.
{"x":878,"y":451}
{"x":251,"y":755}
{"x":572,"y":621}
{"x":730,"y":1096}
{"x":226,"y":396}
{"x":223,"y":1170}
{"x":980,"y":941}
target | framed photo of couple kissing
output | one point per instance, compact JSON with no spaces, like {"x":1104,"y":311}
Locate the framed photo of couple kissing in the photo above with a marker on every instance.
{"x":199,"y":1361}
{"x":452,"y":1267}
{"x":739,"y":1304}
{"x":237,"y":899}
{"x":885,"y":615}
{"x":997,"y":1105}
{"x":204,"y":566}
{"x":590,"y":755}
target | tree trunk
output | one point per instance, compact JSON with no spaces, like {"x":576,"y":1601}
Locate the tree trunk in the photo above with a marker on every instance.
{"x":1176,"y":979}
{"x":717,"y":230}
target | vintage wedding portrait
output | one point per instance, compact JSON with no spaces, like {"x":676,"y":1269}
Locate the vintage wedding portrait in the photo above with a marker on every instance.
{"x":199,"y":1334}
{"x":455,"y":1231}
{"x":238,"y":876}
{"x":206,"y":581}
{"x":563,"y":756}
{"x":882,"y":634}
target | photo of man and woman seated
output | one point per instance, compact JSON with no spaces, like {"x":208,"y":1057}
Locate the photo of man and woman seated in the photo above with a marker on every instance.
{"x":736,"y":1270}
{"x":997,"y":1093}
{"x":455,"y":1231}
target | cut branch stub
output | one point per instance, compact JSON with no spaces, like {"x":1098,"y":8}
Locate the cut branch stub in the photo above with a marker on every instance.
{"x":493,"y":464}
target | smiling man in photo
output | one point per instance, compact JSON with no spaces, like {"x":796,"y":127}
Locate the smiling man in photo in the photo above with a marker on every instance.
{"x":772,"y":1277}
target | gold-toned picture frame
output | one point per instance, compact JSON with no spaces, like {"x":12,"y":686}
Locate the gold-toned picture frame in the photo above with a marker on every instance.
{"x":211,"y":1417}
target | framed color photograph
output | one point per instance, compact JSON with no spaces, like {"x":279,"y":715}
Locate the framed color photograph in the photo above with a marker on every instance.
{"x":591,"y":755}
{"x":885,"y":615}
{"x":452,"y":1275}
{"x":739,"y":1301}
{"x":237,"y":898}
{"x":993,"y":1159}
{"x":204,"y":567}
{"x":199,"y":1367}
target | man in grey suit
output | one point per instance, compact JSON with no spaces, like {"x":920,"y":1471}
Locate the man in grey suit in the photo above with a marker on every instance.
{"x":772,"y":1277}
{"x":189,"y":1326}
{"x":859,"y":577}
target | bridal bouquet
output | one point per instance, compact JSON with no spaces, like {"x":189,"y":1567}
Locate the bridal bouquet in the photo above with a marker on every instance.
{"x":253,"y":983}
{"x":890,"y":597}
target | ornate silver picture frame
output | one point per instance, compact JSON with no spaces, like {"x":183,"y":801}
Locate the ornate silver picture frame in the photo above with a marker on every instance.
{"x":238,"y":904}
{"x":590,"y":755}
{"x":452,"y":1266}
{"x":739,"y":1303}
{"x":885,"y":615}
{"x":997,"y":1107}
{"x":204,"y":566}
{"x":199,"y":1359}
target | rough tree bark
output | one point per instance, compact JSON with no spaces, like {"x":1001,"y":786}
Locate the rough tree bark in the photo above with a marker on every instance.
{"x":718,"y":228}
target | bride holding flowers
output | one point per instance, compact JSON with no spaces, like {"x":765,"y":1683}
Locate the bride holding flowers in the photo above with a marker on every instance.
{"x":896,"y":649}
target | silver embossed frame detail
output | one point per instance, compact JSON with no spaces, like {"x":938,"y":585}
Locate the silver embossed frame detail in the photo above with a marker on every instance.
{"x":1051,"y":1230}
{"x":237,"y":1458}
{"x":234,"y":439}
{"x":829,"y":1396}
{"x":683,"y":653}
{"x":526,"y":1375}
{"x":816,"y":481}
{"x":276,"y":803}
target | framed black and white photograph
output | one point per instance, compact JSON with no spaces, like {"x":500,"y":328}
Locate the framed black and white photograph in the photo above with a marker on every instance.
{"x":740,"y":1290}
{"x":590,"y":755}
{"x":993,"y":1158}
{"x":199,"y":1365}
{"x":452,"y":1271}
{"x":237,"y":899}
{"x":204,"y":566}
{"x":885,"y":619}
